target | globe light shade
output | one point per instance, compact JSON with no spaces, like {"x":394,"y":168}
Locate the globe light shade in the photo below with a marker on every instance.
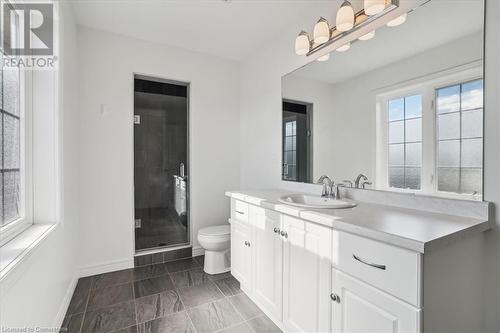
{"x":302,"y":43}
{"x":324,"y":57}
{"x":397,"y":21}
{"x":344,"y":47}
{"x":345,"y":17}
{"x":321,"y":32}
{"x":373,"y":7}
{"x":368,"y":36}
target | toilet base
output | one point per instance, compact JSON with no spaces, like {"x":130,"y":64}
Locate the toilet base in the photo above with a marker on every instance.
{"x":217,"y":262}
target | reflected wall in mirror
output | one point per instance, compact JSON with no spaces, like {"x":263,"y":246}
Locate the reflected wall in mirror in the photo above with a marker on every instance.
{"x":404,"y":108}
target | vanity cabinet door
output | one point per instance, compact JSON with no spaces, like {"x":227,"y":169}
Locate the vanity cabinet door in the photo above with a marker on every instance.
{"x":241,"y":254}
{"x":307,"y":270}
{"x":267,"y":254}
{"x":359,"y":307}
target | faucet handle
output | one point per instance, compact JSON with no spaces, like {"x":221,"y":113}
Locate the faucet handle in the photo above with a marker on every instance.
{"x":366,"y":183}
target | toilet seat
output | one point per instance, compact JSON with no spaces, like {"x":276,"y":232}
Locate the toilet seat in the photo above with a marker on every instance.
{"x":218,"y":230}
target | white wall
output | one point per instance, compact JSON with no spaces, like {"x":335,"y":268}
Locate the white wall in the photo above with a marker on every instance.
{"x":37,"y":291}
{"x":107,"y":64}
{"x":260,"y":121}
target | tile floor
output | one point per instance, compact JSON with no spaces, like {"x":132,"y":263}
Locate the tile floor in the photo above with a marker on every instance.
{"x":171,"y":297}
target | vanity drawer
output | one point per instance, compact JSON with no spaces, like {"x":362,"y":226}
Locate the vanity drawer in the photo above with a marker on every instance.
{"x":239,"y":210}
{"x":392,"y":269}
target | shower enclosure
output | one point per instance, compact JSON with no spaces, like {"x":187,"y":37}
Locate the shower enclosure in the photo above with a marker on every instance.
{"x":161,"y":183}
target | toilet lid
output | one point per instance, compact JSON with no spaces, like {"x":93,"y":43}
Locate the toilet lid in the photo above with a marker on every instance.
{"x":217,"y":230}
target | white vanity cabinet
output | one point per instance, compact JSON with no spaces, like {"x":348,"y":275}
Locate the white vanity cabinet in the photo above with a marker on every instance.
{"x":359,"y":307}
{"x":310,"y":277}
{"x":306,"y":276}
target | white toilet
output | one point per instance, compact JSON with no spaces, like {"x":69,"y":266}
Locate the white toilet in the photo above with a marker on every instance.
{"x":216,"y":241}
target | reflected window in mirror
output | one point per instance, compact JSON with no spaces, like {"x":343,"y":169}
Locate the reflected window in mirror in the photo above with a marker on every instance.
{"x":296,"y":141}
{"x":431,"y":136}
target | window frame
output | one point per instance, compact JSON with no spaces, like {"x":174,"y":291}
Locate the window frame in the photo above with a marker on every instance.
{"x":14,"y":228}
{"x":426,"y":86}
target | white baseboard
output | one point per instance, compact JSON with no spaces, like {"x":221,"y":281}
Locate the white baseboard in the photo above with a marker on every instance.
{"x":63,"y":308}
{"x":106,"y":267}
{"x":198,"y":251}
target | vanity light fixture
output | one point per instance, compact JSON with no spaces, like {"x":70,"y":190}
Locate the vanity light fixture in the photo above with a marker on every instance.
{"x":321,"y":33}
{"x":324,"y":57}
{"x":345,"y":17}
{"x":368,"y":36}
{"x":344,"y":47}
{"x":302,"y":43}
{"x":373,"y":7}
{"x":347,"y":21}
{"x":398,"y":20}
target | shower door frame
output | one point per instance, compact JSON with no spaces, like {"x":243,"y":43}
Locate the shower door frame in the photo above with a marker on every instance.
{"x":187,"y":84}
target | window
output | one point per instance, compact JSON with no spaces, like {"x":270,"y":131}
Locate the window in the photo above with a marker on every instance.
{"x":13,"y":161}
{"x":405,"y":142}
{"x":430,"y":136}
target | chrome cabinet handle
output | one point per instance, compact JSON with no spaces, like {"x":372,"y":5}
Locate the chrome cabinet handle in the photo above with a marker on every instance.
{"x":276,"y":230}
{"x":247,"y":243}
{"x":382,"y":267}
{"x":284,"y":234}
{"x":335,"y":297}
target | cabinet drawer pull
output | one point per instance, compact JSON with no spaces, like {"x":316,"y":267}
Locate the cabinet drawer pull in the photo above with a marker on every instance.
{"x":284,"y":234}
{"x":276,"y":230}
{"x":382,"y":267}
{"x":240,"y":212}
{"x":335,"y":298}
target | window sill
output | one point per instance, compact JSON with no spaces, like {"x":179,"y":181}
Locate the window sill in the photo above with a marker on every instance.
{"x":19,"y":248}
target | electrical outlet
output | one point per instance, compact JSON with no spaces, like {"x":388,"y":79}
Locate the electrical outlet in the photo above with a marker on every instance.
{"x":137,"y":223}
{"x":137,"y":119}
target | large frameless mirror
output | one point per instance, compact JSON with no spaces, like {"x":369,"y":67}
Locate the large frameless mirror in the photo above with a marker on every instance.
{"x":402,"y":111}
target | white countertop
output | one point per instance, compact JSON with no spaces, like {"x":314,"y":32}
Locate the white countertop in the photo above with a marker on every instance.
{"x":415,"y":230}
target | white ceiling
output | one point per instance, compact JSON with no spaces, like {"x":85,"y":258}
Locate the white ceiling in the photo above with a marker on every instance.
{"x":434,"y":24}
{"x":231,"y":29}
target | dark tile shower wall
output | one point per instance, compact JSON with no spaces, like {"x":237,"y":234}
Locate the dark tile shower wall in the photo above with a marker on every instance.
{"x":160,"y":145}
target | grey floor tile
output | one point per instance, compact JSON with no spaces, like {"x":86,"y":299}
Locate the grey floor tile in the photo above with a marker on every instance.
{"x":229,"y":286}
{"x":78,"y":303}
{"x":143,"y":260}
{"x":175,"y":323}
{"x":189,"y":278}
{"x":112,"y":278}
{"x":157,"y":258}
{"x":263,"y":324}
{"x":150,"y":271}
{"x":130,"y":329}
{"x":103,"y":297}
{"x":72,"y":324}
{"x":245,"y":306}
{"x":109,"y":319}
{"x":158,"y":305}
{"x":200,"y":294}
{"x":84,"y":284}
{"x":178,"y":254}
{"x":182,"y":265}
{"x":200,"y":260}
{"x":240,"y":328}
{"x":214,"y":316}
{"x":152,"y":286}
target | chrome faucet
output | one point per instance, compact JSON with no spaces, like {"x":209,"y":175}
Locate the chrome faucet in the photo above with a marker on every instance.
{"x":327,"y":186}
{"x":358,"y":179}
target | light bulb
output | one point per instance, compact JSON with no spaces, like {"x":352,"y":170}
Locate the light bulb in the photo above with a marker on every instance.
{"x":345,"y":17}
{"x":368,"y":36}
{"x":321,"y":31}
{"x":344,"y":47}
{"x":324,"y":57}
{"x":397,"y":21}
{"x":302,"y":43}
{"x":373,"y":7}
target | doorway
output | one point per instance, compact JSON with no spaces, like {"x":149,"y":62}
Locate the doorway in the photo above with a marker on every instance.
{"x":161,"y":183}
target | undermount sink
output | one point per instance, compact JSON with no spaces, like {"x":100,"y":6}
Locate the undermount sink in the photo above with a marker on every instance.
{"x":312,"y":201}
